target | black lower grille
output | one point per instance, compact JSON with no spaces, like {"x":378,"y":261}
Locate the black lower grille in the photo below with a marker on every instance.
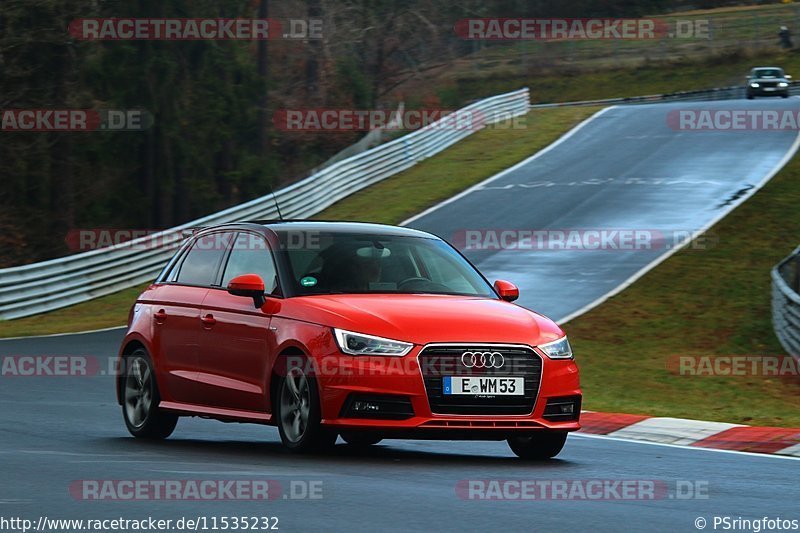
{"x":378,"y":407}
{"x":438,"y":362}
{"x":563,"y":409}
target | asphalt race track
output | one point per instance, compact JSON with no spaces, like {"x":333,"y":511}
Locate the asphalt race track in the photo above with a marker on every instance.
{"x":625,"y":170}
{"x":57,"y":431}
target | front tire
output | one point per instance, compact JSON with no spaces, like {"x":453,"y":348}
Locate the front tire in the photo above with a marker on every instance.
{"x":538,"y":446}
{"x":143,"y":417}
{"x":299,"y":413}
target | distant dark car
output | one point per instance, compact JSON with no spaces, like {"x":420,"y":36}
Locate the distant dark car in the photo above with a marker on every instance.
{"x":768,"y":81}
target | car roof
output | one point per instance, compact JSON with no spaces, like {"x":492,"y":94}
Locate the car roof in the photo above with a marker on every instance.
{"x":322,"y":226}
{"x":767,"y":68}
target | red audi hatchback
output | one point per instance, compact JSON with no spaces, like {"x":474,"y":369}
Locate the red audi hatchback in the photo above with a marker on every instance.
{"x":329,"y":329}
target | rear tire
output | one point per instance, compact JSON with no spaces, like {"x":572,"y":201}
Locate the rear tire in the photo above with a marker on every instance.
{"x":360,"y":439}
{"x":299,"y":414}
{"x":538,"y":446}
{"x":140,"y":400}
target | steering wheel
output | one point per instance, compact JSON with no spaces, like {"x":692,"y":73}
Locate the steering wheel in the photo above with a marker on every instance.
{"x":412,"y":280}
{"x":428,"y":284}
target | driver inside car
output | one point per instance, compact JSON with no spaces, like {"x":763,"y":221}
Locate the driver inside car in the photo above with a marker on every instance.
{"x":354,"y":268}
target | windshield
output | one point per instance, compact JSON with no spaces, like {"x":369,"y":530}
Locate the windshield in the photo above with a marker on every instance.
{"x":769,"y":73}
{"x":345,"y":263}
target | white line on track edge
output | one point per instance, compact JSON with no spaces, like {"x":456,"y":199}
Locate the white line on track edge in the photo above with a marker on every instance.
{"x":61,"y":334}
{"x":666,"y":255}
{"x":667,"y":445}
{"x":502,"y":173}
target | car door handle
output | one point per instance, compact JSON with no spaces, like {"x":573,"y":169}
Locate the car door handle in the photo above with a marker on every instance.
{"x":160,"y":316}
{"x":208,"y":320}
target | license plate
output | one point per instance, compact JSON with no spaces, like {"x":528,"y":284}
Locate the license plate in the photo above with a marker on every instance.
{"x":769,"y":89}
{"x":489,"y":386}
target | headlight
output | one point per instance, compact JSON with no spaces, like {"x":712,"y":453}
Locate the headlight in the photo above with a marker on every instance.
{"x":783,"y":84}
{"x":754,"y":85}
{"x":559,"y":349}
{"x":362,"y":344}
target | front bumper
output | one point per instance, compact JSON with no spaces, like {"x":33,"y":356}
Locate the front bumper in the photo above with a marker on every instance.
{"x":768,"y":91}
{"x":345,"y":379}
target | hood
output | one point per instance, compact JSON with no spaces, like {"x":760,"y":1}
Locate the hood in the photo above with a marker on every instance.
{"x":424,"y":319}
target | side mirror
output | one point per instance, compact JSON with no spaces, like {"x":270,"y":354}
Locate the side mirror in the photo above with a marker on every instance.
{"x":506,"y":290}
{"x":250,"y":286}
{"x":787,"y":77}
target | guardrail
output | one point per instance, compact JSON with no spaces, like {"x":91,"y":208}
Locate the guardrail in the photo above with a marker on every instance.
{"x":718,"y":93}
{"x":786,"y":303}
{"x":36,"y":288}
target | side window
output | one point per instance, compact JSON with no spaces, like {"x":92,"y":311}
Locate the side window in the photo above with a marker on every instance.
{"x":170,"y":273}
{"x":201,"y":264}
{"x":251,"y":255}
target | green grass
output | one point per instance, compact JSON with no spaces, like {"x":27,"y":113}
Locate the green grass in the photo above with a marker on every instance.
{"x":468,"y":162}
{"x":105,"y":312}
{"x":644,"y":78}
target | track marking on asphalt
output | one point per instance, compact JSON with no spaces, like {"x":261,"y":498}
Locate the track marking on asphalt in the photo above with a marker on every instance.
{"x":112,"y":328}
{"x":278,"y":471}
{"x":502,"y":173}
{"x":75,"y":454}
{"x":686,"y":242}
{"x":684,"y":447}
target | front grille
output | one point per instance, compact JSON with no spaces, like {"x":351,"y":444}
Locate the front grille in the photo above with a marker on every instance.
{"x":438,"y":362}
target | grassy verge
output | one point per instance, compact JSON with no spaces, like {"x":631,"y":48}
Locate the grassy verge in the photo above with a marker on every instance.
{"x":468,"y":162}
{"x":641,"y":78}
{"x":105,"y":312}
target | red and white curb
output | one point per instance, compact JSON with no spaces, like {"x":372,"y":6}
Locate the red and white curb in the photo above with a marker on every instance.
{"x":697,"y":433}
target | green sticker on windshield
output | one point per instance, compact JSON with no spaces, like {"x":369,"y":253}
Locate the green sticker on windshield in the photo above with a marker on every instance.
{"x":308,"y":281}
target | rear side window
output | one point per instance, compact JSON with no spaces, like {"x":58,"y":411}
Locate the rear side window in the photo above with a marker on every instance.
{"x":251,"y":255}
{"x":201,"y":264}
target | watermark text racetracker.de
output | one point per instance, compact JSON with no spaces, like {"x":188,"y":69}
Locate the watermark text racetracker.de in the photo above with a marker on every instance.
{"x":581,"y":489}
{"x":589,"y":239}
{"x":86,"y":239}
{"x":195,"y":489}
{"x":195,"y":29}
{"x":734,"y":365}
{"x":550,"y":29}
{"x":732,"y":120}
{"x":74,"y":120}
{"x":55,"y":366}
{"x":340,"y":120}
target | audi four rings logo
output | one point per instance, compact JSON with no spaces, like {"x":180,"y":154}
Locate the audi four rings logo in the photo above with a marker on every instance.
{"x":482,"y":359}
